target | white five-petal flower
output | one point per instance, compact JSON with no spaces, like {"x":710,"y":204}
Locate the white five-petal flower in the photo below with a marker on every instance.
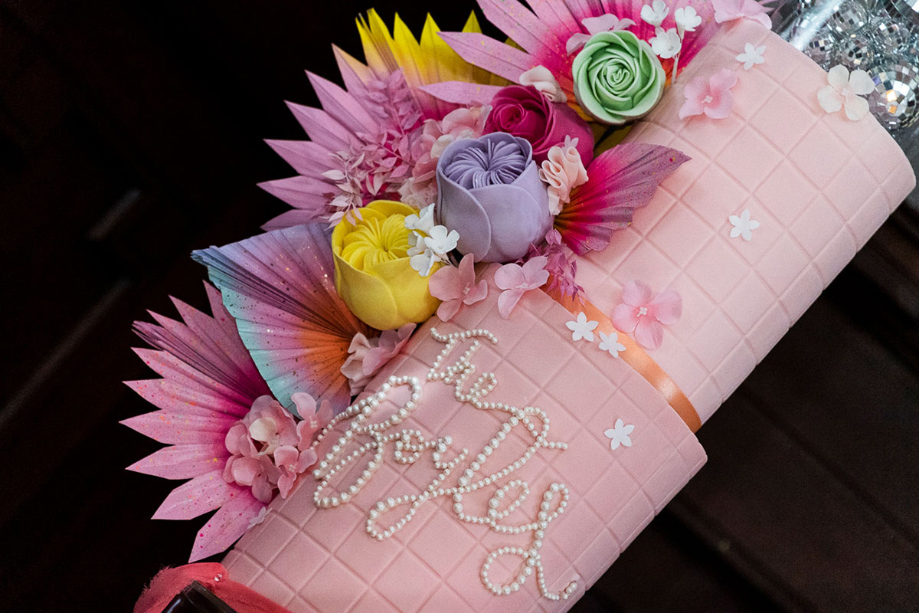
{"x":581,"y":328}
{"x":423,"y":221}
{"x":751,"y":56}
{"x":743,"y":225}
{"x":846,"y":90}
{"x":619,"y":435}
{"x":687,"y":20}
{"x":655,"y":13}
{"x":610,"y":343}
{"x":666,"y":43}
{"x":441,"y":241}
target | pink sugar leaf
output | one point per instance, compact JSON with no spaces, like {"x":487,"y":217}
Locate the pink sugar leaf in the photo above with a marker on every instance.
{"x":619,"y":181}
{"x":226,"y":526}
{"x":183,"y":461}
{"x":178,"y":428}
{"x":489,"y":54}
{"x":202,"y":494}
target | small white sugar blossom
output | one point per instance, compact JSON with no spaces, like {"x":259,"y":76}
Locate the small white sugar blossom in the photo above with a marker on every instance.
{"x":751,"y":56}
{"x":666,"y":44}
{"x":846,"y":90}
{"x":423,"y":221}
{"x":687,"y":20}
{"x":619,"y":435}
{"x":655,"y":13}
{"x":743,"y":225}
{"x":581,"y":328}
{"x":610,"y":343}
{"x":428,"y":243}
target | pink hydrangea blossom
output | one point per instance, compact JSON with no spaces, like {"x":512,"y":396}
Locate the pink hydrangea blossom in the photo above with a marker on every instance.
{"x":711,"y":96}
{"x":729,"y":10}
{"x":646,"y":315}
{"x":562,"y":268}
{"x":367,"y":356}
{"x":516,"y":280}
{"x":456,"y":287}
{"x":269,"y":449}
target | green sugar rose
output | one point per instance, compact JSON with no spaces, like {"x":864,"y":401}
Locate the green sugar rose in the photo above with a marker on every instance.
{"x":617,"y":77}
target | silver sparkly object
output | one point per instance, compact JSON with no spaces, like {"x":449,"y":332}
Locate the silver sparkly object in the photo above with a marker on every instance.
{"x":895,"y":101}
{"x":856,"y":53}
{"x":848,"y":18}
{"x":821,"y":47}
{"x":889,"y":36}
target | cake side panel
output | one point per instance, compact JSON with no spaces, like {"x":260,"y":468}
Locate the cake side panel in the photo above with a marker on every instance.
{"x":818,"y":184}
{"x":323,"y":559}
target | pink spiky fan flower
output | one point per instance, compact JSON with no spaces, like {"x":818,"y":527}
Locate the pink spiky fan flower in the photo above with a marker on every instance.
{"x":225,"y":431}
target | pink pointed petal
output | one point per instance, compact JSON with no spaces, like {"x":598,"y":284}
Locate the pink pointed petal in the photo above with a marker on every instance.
{"x":667,"y":307}
{"x":723,"y":108}
{"x":353,"y":73}
{"x":180,"y":429}
{"x":343,"y":107}
{"x":649,"y":333}
{"x":306,"y":157}
{"x":625,"y":318}
{"x":522,"y":26}
{"x":307,"y":193}
{"x":226,"y":526}
{"x":508,"y":300}
{"x":322,"y":128}
{"x":636,"y":294}
{"x":509,"y":276}
{"x":183,"y":461}
{"x":447,"y":283}
{"x":477,"y":293}
{"x":448,"y":309}
{"x":200,"y":495}
{"x":459,"y":92}
{"x":557,"y":16}
{"x":488,"y":54}
{"x":723,"y":80}
{"x":295,"y":217}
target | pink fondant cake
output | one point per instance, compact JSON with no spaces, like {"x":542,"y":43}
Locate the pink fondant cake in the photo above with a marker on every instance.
{"x":818,"y":185}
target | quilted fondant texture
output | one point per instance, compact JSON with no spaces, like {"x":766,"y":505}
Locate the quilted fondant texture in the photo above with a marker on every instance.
{"x":819,"y":184}
{"x":308,"y":559}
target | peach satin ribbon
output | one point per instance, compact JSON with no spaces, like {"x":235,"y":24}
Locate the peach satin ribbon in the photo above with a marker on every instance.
{"x":637,"y":358}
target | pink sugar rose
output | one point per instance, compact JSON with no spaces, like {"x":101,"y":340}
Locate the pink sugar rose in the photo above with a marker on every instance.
{"x":456,"y":287}
{"x":524,"y":112}
{"x":517,"y":280}
{"x":712,"y":97}
{"x":367,"y":356}
{"x":646,"y":315}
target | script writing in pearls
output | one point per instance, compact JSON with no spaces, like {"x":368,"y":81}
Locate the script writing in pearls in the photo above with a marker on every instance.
{"x":366,"y":440}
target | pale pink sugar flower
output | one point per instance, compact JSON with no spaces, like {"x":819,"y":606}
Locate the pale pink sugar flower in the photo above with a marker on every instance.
{"x":846,"y":90}
{"x":269,"y":449}
{"x":646,"y":315}
{"x":367,"y":356}
{"x":711,"y":96}
{"x":729,"y":10}
{"x":562,"y":170}
{"x":456,"y":287}
{"x":517,"y":280}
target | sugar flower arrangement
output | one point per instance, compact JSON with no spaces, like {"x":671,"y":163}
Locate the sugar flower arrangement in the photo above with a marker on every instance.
{"x":437,"y":158}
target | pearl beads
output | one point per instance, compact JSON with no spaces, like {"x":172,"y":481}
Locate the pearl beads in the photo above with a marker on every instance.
{"x":409,"y":445}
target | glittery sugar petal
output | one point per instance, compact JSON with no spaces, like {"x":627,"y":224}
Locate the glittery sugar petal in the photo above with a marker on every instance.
{"x":226,"y":526}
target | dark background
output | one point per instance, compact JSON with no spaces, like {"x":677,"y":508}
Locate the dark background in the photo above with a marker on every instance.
{"x":131,"y":133}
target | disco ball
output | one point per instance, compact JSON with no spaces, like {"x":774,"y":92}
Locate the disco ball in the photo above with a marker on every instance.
{"x":848,"y":18}
{"x":856,"y":53}
{"x":894,"y":101}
